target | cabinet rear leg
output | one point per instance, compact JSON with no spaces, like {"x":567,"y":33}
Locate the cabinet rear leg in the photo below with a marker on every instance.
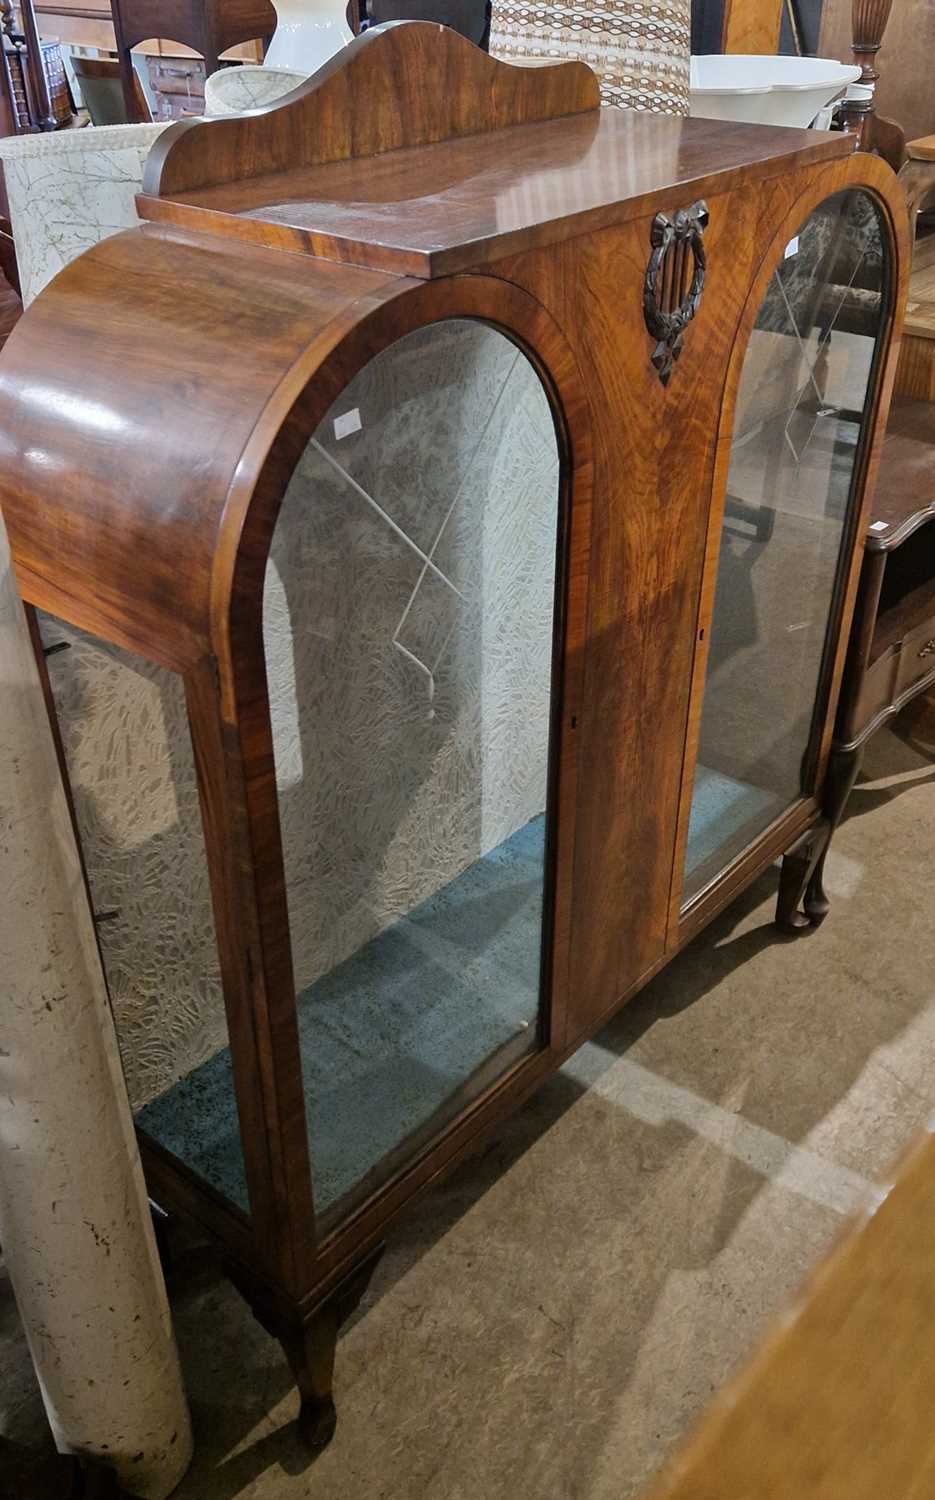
{"x":843,"y":770}
{"x":802,"y":899}
{"x":798,"y":869}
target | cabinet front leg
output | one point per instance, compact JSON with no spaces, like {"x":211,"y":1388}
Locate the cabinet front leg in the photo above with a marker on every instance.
{"x":309,"y":1341}
{"x":310,"y":1350}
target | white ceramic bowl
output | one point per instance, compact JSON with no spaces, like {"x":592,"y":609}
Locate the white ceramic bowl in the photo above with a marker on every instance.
{"x":766,"y":90}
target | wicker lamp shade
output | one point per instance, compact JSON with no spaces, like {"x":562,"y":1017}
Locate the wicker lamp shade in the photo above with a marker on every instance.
{"x":639,"y":49}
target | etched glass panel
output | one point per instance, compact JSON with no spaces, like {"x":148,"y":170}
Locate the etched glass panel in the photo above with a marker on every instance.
{"x":408,"y":621}
{"x":797,"y":431}
{"x":131,"y":768}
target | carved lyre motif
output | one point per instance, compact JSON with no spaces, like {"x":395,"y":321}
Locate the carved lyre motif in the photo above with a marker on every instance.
{"x":670,"y":298}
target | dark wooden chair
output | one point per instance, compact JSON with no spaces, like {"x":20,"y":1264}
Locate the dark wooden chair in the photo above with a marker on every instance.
{"x":209,"y":27}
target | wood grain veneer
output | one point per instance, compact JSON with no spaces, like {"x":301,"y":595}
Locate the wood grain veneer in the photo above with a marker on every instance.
{"x":430,"y":84}
{"x":751,"y":26}
{"x":836,"y":1400}
{"x":483,"y":197}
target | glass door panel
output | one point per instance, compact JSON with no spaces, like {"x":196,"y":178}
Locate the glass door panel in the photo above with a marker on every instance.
{"x":408,"y":622}
{"x":798,"y":424}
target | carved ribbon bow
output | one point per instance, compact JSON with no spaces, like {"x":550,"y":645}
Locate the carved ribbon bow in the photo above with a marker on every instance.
{"x":667,"y":307}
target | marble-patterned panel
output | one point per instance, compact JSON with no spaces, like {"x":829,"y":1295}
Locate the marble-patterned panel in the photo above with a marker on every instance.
{"x":68,"y":191}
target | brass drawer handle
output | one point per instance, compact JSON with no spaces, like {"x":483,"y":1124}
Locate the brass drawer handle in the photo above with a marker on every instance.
{"x":928,"y":648}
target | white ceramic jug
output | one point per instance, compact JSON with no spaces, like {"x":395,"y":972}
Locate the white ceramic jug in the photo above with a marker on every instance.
{"x":308,"y":32}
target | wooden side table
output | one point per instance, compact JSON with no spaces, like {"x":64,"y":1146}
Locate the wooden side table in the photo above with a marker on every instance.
{"x":891,"y":655}
{"x":918,"y":172}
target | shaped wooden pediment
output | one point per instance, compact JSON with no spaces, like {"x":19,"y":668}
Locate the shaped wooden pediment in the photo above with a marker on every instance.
{"x":406,"y":83}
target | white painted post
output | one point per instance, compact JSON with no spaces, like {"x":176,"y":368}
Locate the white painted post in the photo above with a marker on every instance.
{"x":74,"y":1220}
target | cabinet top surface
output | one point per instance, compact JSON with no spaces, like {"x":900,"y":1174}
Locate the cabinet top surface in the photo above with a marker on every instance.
{"x":434,"y":209}
{"x":457,"y":160}
{"x":905,"y":492}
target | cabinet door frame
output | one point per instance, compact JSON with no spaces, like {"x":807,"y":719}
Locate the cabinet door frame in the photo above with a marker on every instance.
{"x":873,"y":176}
{"x":314,"y":1254}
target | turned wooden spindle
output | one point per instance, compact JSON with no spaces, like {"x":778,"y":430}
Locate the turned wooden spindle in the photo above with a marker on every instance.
{"x":869,"y":20}
{"x":8,"y":31}
{"x":37,"y":83}
{"x":22,"y":32}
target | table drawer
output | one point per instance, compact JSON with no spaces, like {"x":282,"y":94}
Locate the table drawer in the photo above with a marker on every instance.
{"x":901,"y":667}
{"x":916,"y":657}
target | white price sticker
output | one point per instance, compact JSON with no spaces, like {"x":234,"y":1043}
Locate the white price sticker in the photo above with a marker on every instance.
{"x":347,"y":423}
{"x":792,"y":248}
{"x":880,"y":526}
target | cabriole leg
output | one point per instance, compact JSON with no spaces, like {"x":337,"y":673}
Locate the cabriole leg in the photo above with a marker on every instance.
{"x":802,"y":900}
{"x":843,"y":770}
{"x":310,"y":1350}
{"x":798,"y":867}
{"x":309,"y":1342}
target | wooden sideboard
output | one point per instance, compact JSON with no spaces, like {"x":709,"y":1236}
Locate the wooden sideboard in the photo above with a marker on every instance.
{"x":454,"y":525}
{"x":891,"y":657}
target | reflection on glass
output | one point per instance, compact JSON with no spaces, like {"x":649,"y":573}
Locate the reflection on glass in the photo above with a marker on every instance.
{"x":797,"y":430}
{"x":131,"y":768}
{"x":408,"y":626}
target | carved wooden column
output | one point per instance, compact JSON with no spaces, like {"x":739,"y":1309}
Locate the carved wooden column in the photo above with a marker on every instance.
{"x":37,"y":83}
{"x":869,"y":21}
{"x":8,"y":32}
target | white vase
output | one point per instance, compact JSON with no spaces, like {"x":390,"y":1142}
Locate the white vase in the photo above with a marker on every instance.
{"x":308,"y":32}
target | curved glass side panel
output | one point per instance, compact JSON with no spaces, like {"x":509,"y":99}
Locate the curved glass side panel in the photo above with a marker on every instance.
{"x":408,"y":623}
{"x":131,"y":769}
{"x":797,"y":431}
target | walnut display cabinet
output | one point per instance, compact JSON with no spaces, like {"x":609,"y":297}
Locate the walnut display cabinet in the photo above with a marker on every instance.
{"x":442,"y":524}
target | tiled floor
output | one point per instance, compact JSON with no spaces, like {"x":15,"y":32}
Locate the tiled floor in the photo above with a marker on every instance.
{"x":549,"y":1322}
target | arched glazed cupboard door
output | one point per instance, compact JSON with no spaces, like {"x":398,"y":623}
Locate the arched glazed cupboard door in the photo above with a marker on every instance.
{"x":777,"y":563}
{"x":409,"y":616}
